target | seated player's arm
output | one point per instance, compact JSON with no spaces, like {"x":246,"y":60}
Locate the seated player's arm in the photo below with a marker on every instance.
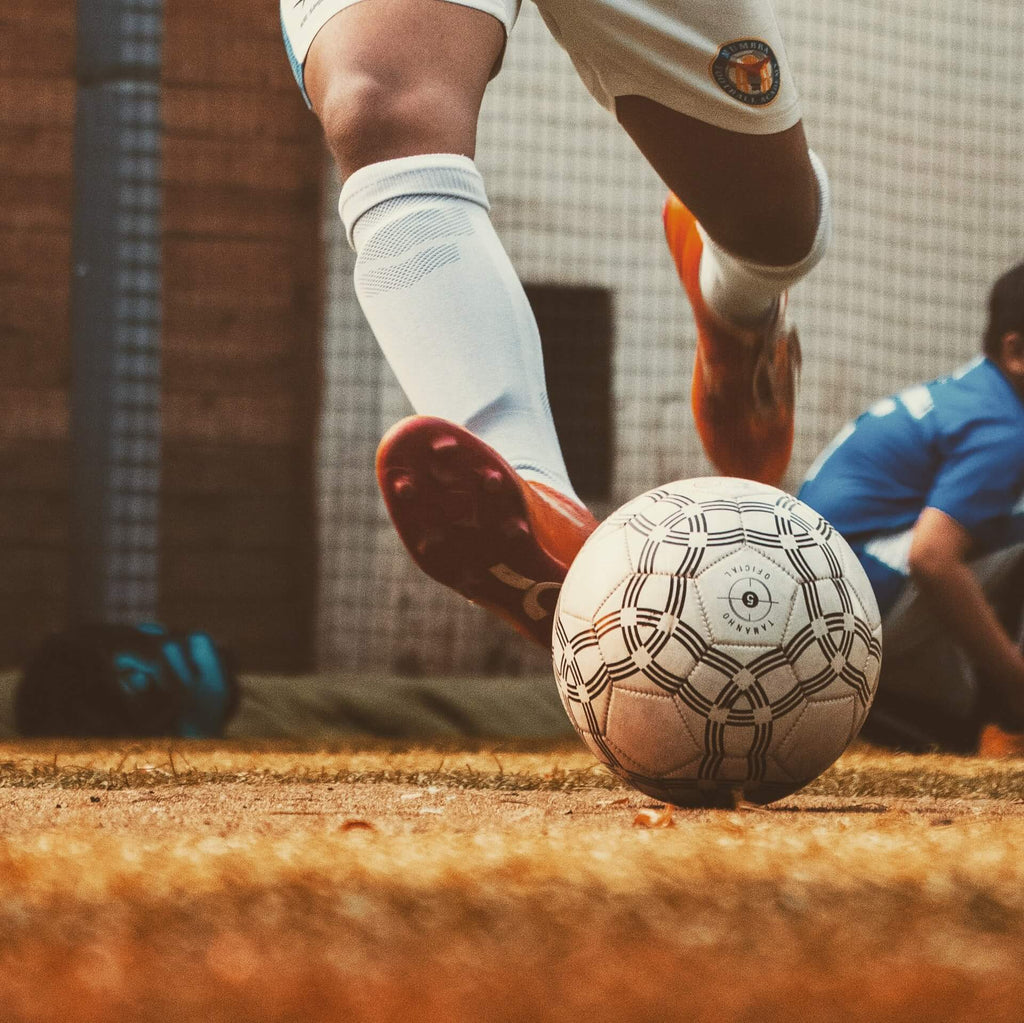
{"x":939,"y":551}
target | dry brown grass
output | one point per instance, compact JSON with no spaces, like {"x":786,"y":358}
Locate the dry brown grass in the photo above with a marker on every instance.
{"x":200,"y":883}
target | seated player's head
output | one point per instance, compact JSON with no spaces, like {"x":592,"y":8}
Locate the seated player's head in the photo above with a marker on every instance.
{"x":1004,"y":336}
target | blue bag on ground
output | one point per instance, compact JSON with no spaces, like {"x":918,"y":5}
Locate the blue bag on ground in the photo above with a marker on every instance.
{"x":126,"y":681}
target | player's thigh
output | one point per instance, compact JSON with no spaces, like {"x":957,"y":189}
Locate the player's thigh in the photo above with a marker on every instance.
{"x":1000,"y":569}
{"x":391,"y":78}
{"x":705,"y":90}
{"x":911,"y":623}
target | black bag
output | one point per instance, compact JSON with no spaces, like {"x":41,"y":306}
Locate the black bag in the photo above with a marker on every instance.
{"x":126,"y":681}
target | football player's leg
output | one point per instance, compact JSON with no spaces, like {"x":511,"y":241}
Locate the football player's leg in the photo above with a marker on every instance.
{"x":761,"y":200}
{"x":398,"y":85}
{"x":748,"y":216}
{"x":928,"y":695}
{"x":1002,"y":578}
{"x":476,"y":484}
{"x":931,"y":694}
{"x":397,"y":78}
{"x":705,"y":91}
{"x":928,"y":698}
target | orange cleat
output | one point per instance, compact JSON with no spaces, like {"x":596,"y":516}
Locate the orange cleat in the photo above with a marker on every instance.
{"x":994,"y":742}
{"x":471,"y":522}
{"x":744,"y":380}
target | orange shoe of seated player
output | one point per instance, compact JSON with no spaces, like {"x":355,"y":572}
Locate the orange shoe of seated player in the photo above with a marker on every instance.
{"x":471,"y":522}
{"x":994,"y":742}
{"x":744,"y":380}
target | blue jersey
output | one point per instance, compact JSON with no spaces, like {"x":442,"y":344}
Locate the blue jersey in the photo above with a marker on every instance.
{"x":955,"y":444}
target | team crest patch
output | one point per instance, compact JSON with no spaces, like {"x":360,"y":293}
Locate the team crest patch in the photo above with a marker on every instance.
{"x":748,"y":70}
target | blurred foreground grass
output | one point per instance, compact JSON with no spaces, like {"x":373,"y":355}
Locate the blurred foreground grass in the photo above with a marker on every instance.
{"x":245,"y":883}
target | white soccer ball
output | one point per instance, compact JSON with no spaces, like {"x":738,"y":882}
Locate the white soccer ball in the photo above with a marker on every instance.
{"x":716,"y":639}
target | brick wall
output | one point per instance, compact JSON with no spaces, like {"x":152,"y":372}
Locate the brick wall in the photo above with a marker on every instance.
{"x":37,"y":98}
{"x":243,"y":169}
{"x":242,"y":166}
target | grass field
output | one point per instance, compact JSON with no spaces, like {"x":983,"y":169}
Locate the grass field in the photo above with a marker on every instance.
{"x":224,"y":883}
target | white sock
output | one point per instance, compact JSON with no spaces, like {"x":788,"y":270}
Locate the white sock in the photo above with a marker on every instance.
{"x":447,"y":308}
{"x":745,"y":293}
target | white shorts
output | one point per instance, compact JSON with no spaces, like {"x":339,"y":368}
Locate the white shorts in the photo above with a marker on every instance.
{"x":719,"y":61}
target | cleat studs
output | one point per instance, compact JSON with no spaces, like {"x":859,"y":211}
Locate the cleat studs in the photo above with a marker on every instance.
{"x":444,"y":448}
{"x":403,"y":487}
{"x":492,"y":480}
{"x":445,"y":444}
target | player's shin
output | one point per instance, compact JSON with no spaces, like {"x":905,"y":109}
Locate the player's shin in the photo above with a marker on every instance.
{"x":748,"y":354}
{"x":447,"y":307}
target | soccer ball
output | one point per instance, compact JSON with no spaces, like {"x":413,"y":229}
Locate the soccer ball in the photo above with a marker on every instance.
{"x":714,"y":640}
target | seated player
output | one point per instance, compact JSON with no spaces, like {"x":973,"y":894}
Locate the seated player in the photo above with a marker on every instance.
{"x":475,"y":483}
{"x":928,"y":488}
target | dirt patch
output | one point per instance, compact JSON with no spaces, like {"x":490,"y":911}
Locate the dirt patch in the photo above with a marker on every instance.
{"x":199,"y":883}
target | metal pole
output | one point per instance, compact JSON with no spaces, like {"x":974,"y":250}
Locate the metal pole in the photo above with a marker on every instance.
{"x":115,"y":312}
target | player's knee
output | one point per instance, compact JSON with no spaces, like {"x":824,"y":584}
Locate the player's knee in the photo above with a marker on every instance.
{"x":793,"y":243}
{"x":358,"y":114}
{"x":817,"y":234}
{"x":366,"y":119}
{"x":819,"y":239}
{"x":789,"y":235}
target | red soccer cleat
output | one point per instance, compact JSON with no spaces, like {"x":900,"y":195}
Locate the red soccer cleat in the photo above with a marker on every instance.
{"x":471,"y":522}
{"x":744,"y":380}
